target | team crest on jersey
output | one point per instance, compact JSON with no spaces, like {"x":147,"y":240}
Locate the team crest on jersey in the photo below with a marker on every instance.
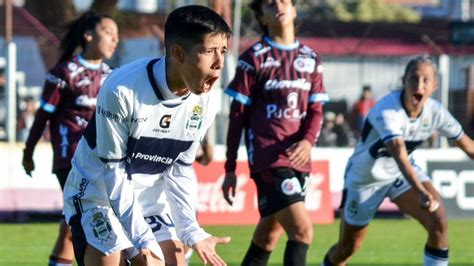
{"x":194,"y":122}
{"x":72,"y":66}
{"x":426,"y":122}
{"x":304,"y":64}
{"x":101,"y":227}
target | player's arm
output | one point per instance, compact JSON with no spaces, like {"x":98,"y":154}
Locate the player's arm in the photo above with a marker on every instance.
{"x":180,"y":191}
{"x":50,"y":98}
{"x":396,"y":147}
{"x":240,"y":92}
{"x":113,"y":130}
{"x":466,"y":144}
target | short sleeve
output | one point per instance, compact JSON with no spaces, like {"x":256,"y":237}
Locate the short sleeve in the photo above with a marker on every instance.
{"x":386,"y":122}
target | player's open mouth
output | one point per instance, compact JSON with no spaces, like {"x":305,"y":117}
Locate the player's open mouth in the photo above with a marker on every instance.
{"x":417,"y":97}
{"x":209,"y":83}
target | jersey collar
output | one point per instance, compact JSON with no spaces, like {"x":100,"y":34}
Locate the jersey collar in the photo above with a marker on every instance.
{"x":271,"y":42}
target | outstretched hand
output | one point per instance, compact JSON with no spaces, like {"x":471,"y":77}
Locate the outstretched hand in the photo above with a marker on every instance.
{"x":229,"y":185}
{"x":206,"y":250}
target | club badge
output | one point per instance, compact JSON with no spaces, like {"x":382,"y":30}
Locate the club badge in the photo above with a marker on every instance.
{"x":194,"y":121}
{"x":101,"y":227}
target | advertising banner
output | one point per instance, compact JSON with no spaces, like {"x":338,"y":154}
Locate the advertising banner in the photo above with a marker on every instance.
{"x":214,"y":210}
{"x":455,"y":183}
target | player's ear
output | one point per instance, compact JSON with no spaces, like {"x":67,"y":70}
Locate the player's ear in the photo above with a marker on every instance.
{"x":88,"y":36}
{"x":177,"y":52}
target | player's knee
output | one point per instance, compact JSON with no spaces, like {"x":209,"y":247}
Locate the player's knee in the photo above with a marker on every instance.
{"x":438,"y":225}
{"x":303,"y":233}
{"x":267,"y":241}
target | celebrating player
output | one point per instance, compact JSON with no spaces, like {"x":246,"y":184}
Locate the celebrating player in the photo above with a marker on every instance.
{"x":68,"y":102}
{"x":382,"y":165}
{"x":277,"y":99}
{"x":150,"y":117}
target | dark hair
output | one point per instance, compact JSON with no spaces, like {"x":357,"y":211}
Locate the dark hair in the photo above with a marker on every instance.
{"x":74,"y":36}
{"x":256,"y":6}
{"x":420,"y":59}
{"x":188,"y":25}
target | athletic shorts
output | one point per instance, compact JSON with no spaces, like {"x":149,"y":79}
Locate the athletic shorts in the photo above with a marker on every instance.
{"x":359,"y":205}
{"x":100,"y":228}
{"x":278,"y":188}
{"x":157,"y":212}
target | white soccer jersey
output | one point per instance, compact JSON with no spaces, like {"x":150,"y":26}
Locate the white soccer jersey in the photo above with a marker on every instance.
{"x":141,"y":132}
{"x":371,"y":164}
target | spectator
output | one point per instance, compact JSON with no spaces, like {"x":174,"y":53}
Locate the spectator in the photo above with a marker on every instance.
{"x":342,"y":131}
{"x":328,"y":137}
{"x":361,"y":109}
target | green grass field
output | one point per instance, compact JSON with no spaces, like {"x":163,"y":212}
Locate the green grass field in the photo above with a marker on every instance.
{"x":390,"y":242}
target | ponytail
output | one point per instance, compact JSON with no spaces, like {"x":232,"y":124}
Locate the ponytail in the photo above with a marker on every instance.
{"x":74,"y":36}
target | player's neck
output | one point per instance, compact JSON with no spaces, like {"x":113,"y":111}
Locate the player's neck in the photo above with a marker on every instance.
{"x":174,"y":80}
{"x":92,"y":58}
{"x":282,"y":36}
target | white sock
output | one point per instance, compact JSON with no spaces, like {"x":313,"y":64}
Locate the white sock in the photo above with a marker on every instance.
{"x":435,"y":257}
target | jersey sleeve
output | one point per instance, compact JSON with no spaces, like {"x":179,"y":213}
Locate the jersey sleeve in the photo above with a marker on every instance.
{"x":55,"y":84}
{"x":112,"y":123}
{"x":239,"y":90}
{"x":317,"y":97}
{"x":180,"y":188}
{"x":447,"y":125}
{"x":386,"y":122}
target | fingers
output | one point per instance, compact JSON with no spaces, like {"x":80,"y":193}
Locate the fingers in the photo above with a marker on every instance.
{"x":229,"y":185}
{"x":222,"y":240}
{"x":29,"y":166}
{"x":225,"y":191}
{"x":211,"y":257}
{"x":433,"y":205}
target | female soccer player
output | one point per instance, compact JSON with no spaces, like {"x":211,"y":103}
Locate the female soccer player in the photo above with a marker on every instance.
{"x":382,"y":165}
{"x":277,"y":100}
{"x":151,"y":115}
{"x":68,"y":102}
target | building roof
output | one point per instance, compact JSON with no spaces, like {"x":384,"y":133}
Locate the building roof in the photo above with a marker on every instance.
{"x":378,"y":39}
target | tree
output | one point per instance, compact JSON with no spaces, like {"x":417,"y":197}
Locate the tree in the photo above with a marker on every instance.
{"x":374,"y":11}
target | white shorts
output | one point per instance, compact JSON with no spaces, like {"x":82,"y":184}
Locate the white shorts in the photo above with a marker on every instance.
{"x":359,"y":205}
{"x":102,"y":230}
{"x":157,"y":211}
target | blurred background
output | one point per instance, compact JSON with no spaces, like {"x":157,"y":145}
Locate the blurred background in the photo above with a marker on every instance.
{"x":363,"y":44}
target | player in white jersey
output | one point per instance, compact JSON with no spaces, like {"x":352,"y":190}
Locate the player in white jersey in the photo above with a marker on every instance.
{"x":150,"y":118}
{"x":382,"y":165}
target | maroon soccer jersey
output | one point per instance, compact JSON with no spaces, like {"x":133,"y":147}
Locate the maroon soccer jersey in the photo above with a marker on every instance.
{"x":277,"y":96}
{"x":68,"y":102}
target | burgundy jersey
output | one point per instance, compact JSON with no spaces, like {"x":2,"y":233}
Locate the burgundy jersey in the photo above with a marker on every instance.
{"x":277,"y":96}
{"x":68,"y":101}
